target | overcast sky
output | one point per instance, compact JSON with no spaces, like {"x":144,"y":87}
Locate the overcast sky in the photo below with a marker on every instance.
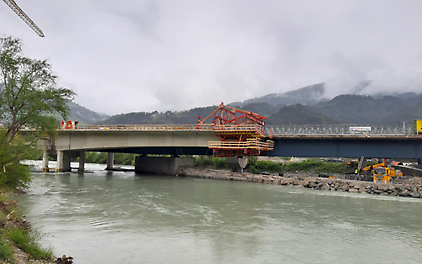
{"x":145,"y":55}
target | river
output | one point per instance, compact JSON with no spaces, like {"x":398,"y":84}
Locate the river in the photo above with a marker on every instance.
{"x":121,"y":217}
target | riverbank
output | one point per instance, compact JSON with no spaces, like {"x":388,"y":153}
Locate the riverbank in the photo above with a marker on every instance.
{"x":403,"y":187}
{"x":17,"y":239}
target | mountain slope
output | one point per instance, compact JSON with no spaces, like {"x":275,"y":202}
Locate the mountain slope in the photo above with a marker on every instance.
{"x":360,"y":109}
{"x":298,"y":115}
{"x":84,"y":115}
{"x":183,"y":117}
{"x":307,"y":95}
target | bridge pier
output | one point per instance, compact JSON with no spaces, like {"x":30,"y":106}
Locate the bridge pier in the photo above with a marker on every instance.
{"x":63,"y":161}
{"x":163,"y":165}
{"x":64,"y":158}
{"x":236,"y":164}
{"x":45,"y":157}
{"x":110,"y":160}
{"x":81,"y":161}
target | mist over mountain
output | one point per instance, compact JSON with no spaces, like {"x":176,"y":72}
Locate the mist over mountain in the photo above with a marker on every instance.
{"x":307,"y":105}
{"x":307,"y":95}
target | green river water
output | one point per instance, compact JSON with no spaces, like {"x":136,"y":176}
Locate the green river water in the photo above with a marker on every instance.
{"x":120,"y":217}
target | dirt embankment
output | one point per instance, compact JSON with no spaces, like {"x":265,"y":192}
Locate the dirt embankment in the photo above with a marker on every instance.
{"x":404,"y":187}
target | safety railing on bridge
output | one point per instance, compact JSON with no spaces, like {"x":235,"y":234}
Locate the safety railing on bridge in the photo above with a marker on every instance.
{"x":340,"y":129}
{"x":143,"y":127}
{"x":344,"y":129}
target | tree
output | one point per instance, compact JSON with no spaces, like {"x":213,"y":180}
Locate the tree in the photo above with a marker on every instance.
{"x":29,"y":95}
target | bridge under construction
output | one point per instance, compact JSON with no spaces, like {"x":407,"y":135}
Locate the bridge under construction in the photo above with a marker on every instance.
{"x":234,"y":134}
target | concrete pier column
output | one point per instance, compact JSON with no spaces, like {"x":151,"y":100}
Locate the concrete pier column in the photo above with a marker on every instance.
{"x":59,"y":166}
{"x":63,"y":161}
{"x":81,"y":161}
{"x":110,"y":160}
{"x":236,"y":164}
{"x":45,"y":157}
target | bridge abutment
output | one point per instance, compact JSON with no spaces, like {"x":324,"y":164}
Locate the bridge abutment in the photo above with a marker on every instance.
{"x":163,"y":165}
{"x":236,"y":164}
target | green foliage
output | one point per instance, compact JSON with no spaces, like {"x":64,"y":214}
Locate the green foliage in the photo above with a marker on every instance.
{"x":306,"y":165}
{"x":101,"y":157}
{"x":124,"y":158}
{"x":28,"y":92}
{"x":210,"y":161}
{"x":204,"y":161}
{"x":13,"y":175}
{"x":269,"y":166}
{"x":219,"y":163}
{"x":27,"y":241}
{"x":259,"y":166}
{"x":96,"y":157}
{"x":316,"y":166}
{"x":28,"y":98}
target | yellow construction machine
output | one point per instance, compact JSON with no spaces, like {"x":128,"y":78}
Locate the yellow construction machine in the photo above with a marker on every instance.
{"x":385,"y":174}
{"x":380,"y":172}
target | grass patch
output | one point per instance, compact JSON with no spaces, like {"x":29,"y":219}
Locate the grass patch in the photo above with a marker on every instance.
{"x":27,"y":242}
{"x":259,"y":166}
{"x":316,"y":166}
{"x":6,"y":251}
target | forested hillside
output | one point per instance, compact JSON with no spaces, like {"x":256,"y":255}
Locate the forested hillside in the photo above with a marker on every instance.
{"x":360,"y":109}
{"x":343,"y":109}
{"x":302,"y":106}
{"x":84,"y":115}
{"x":299,"y":114}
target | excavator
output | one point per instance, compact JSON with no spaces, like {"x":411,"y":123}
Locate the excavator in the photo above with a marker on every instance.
{"x":381,"y":172}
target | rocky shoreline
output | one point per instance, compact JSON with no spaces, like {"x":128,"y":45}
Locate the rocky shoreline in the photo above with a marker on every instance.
{"x":403,"y":187}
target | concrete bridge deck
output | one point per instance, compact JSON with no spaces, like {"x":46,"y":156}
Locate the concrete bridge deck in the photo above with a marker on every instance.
{"x":180,"y":140}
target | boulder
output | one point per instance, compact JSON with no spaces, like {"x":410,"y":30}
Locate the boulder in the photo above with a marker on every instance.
{"x":287,"y":181}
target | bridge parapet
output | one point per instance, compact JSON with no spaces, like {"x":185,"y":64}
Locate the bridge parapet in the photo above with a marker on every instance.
{"x":142,"y":127}
{"x":343,"y":129}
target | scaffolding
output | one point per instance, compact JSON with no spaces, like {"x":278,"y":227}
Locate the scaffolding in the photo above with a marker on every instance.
{"x":241,"y":133}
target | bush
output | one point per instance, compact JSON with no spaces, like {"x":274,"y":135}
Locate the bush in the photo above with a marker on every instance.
{"x":13,"y":175}
{"x":124,"y":158}
{"x":219,"y":163}
{"x":210,"y":161}
{"x":204,"y":161}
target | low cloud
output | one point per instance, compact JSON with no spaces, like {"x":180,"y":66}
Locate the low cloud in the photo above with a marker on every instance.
{"x":174,"y":55}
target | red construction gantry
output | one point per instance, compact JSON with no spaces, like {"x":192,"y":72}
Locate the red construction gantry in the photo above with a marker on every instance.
{"x":241,"y":133}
